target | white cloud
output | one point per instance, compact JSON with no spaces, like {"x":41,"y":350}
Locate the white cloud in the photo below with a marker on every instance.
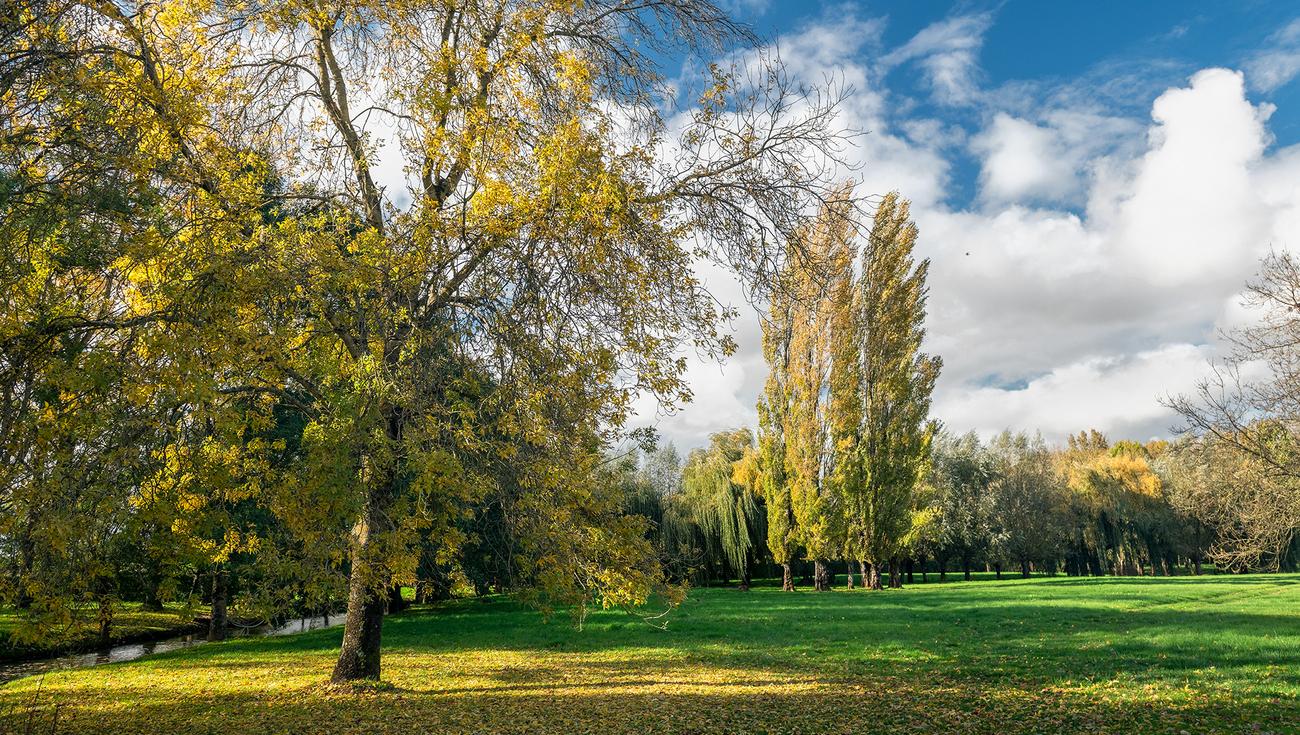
{"x":1099,"y":258}
{"x":948,"y":52}
{"x":1278,"y":64}
{"x":1116,"y":393}
{"x":1022,"y":160}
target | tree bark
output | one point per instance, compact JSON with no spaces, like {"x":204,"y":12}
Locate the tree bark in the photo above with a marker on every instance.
{"x":220,"y":593}
{"x":787,"y":578}
{"x":965,"y":567}
{"x":105,"y":621}
{"x":875,"y":577}
{"x":368,"y":583}
{"x":396,"y":603}
{"x":821,"y":576}
{"x":1024,"y":568}
{"x":362,"y":631}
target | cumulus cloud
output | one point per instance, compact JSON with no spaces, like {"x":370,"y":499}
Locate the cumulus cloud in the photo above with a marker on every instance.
{"x":1089,"y":275}
{"x":1116,"y":392}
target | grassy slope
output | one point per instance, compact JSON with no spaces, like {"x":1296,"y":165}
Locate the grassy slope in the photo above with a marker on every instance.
{"x":131,"y":622}
{"x":1210,"y":654}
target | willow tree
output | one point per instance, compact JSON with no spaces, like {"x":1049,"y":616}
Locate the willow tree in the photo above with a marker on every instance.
{"x":718,"y":488}
{"x":881,"y":391}
{"x":459,"y":238}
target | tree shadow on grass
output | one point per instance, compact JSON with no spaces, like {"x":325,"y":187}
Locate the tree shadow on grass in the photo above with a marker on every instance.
{"x":653,"y":705}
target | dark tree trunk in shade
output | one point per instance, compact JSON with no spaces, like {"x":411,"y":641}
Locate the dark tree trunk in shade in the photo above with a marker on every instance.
{"x":220,"y":594}
{"x":821,"y":576}
{"x":787,"y":578}
{"x":1024,"y":568}
{"x":965,"y":567}
{"x":396,"y":603}
{"x":909,"y":570}
{"x":105,"y":621}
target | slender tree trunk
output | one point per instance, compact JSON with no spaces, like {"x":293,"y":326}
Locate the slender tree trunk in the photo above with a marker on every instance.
{"x":965,"y":566}
{"x":1024,"y":568}
{"x":862,"y":575}
{"x":105,"y":621}
{"x":745,"y":580}
{"x":849,"y":574}
{"x":217,"y":623}
{"x":787,"y":578}
{"x":875,"y":576}
{"x":909,"y":564}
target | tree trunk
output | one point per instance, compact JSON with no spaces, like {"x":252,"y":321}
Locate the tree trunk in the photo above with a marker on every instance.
{"x":849,"y":574}
{"x":787,"y":578}
{"x":368,"y":581}
{"x":105,"y":621}
{"x":152,"y":598}
{"x":821,"y":576}
{"x":220,"y":593}
{"x":396,"y":603}
{"x":965,"y":567}
{"x":745,"y":579}
{"x":1024,"y":568}
{"x":875,"y":577}
{"x":909,"y":569}
{"x":359,"y":657}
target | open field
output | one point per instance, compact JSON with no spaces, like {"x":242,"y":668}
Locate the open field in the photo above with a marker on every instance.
{"x":1166,"y":655}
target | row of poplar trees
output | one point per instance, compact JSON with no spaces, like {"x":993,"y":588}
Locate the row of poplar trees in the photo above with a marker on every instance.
{"x":845,"y":432}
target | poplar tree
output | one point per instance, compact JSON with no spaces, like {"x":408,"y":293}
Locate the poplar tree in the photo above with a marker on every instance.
{"x":881,"y":391}
{"x":773,"y":415}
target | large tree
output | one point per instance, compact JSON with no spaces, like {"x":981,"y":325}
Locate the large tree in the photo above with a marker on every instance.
{"x":881,"y":392}
{"x":487,"y":323}
{"x":1249,"y":408}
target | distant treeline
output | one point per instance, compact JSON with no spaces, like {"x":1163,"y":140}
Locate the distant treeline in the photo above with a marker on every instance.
{"x":1012,"y":505}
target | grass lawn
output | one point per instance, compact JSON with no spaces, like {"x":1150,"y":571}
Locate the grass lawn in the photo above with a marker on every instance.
{"x":131,"y":622}
{"x":1195,"y":655}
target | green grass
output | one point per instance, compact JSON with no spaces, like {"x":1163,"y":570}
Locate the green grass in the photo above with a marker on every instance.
{"x":130,"y":623}
{"x":1195,"y":655}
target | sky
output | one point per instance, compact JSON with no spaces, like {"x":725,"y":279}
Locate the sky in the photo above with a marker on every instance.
{"x":1094,"y":184}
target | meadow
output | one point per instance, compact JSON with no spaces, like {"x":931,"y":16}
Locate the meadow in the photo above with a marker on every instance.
{"x":1115,"y":655}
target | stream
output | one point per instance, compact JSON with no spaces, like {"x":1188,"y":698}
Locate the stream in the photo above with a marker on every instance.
{"x":133,"y":651}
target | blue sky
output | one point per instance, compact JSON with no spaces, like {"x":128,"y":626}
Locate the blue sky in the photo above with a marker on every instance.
{"x":1093,"y":182}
